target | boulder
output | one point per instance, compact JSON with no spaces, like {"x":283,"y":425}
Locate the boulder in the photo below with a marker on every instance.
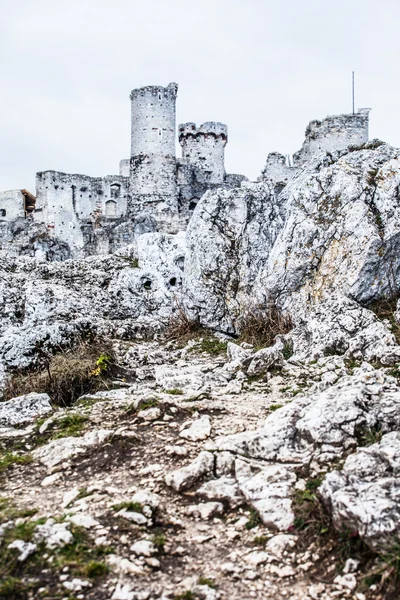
{"x":24,"y":409}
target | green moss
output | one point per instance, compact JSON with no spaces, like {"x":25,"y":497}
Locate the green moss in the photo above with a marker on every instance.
{"x":94,"y":569}
{"x":260,"y":540}
{"x":275,"y":406}
{"x":129,"y":506}
{"x":159,"y":541}
{"x":206,"y":581}
{"x":211,"y":346}
{"x":174,"y":392}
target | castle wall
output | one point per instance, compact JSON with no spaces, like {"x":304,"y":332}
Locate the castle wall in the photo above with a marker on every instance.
{"x":204,"y":148}
{"x":334,"y":133}
{"x":12,"y":205}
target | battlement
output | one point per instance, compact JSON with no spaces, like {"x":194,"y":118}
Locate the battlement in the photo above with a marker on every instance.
{"x":209,"y":128}
{"x":158,"y":91}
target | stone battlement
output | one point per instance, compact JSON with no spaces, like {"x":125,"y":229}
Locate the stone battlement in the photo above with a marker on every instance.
{"x":208,"y":128}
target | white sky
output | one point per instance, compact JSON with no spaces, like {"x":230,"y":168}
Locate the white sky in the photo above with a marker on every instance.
{"x":265,"y":68}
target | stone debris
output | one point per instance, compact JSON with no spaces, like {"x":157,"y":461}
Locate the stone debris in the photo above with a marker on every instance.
{"x":53,"y":534}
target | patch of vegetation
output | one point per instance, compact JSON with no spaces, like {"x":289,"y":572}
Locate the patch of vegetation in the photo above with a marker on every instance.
{"x":8,"y":511}
{"x":188,"y":595}
{"x":159,"y":541}
{"x":254,"y":520}
{"x":212,"y":346}
{"x":66,"y":376}
{"x":13,"y":588}
{"x":385,"y":309}
{"x":206,"y":581}
{"x":69,"y":426}
{"x":260,"y":324}
{"x":129,"y":506}
{"x":174,"y":392}
{"x":369,"y":436}
{"x":94,"y":569}
{"x":310,"y":515}
{"x":10,"y":459}
{"x":275,"y":406}
{"x":287,"y":351}
{"x":181,"y":327}
{"x":260,"y":540}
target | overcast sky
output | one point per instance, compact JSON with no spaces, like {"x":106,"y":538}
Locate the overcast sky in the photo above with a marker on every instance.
{"x":265,"y":68}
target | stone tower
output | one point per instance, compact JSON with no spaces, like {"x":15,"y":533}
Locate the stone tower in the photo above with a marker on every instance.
{"x":204,"y":148}
{"x":153,"y":161}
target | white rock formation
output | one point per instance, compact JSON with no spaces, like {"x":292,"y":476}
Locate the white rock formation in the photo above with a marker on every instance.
{"x":24,"y":409}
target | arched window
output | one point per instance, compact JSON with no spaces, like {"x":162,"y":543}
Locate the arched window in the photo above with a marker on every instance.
{"x":111,"y":208}
{"x":115,"y":190}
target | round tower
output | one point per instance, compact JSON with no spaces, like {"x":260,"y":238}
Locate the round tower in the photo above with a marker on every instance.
{"x":204,"y":148}
{"x":153,"y":162}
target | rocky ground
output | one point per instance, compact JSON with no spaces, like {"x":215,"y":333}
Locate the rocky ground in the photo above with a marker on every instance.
{"x":145,"y":491}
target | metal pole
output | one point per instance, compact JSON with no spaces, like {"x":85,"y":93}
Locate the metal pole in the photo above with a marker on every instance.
{"x":353,"y":92}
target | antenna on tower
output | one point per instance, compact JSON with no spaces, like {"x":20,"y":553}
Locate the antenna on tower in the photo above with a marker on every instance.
{"x":352,"y":80}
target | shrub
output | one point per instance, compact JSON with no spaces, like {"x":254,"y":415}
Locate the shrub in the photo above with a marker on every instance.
{"x":68,"y":375}
{"x":261,"y":323}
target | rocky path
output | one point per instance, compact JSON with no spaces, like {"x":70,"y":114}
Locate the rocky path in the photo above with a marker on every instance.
{"x":122,"y":515}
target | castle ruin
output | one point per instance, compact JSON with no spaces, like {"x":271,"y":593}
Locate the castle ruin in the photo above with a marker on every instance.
{"x":73,"y":215}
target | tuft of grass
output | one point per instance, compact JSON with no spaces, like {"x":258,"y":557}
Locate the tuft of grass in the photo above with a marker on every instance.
{"x":260,"y":324}
{"x":13,"y":588}
{"x":275,"y":406}
{"x":287,"y":351}
{"x":69,"y":426}
{"x":174,"y":392}
{"x":94,"y":569}
{"x":130,"y":506}
{"x":206,"y":581}
{"x":81,"y":555}
{"x":159,"y":541}
{"x":212,"y":346}
{"x":83,"y":369}
{"x":369,"y":436}
{"x":188,"y":595}
{"x":254,"y":520}
{"x":260,"y":540}
{"x":10,"y":459}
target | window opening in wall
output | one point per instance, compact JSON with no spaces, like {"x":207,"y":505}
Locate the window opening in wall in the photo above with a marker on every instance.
{"x":115,"y":190}
{"x":111,"y":208}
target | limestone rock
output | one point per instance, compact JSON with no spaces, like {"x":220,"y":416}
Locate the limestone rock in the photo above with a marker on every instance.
{"x":364,"y":496}
{"x":183,"y":479}
{"x":57,"y":451}
{"x":24,"y":409}
{"x":199,"y":430}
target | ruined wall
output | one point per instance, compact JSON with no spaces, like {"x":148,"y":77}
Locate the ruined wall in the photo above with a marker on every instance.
{"x":153,"y":163}
{"x":277,"y":169}
{"x":204,"y":148}
{"x":12,"y":205}
{"x":72,"y":206}
{"x":334,"y":133}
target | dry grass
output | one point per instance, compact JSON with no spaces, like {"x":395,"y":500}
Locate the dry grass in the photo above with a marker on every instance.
{"x":68,"y":375}
{"x":180,"y":327}
{"x":260,"y":324}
